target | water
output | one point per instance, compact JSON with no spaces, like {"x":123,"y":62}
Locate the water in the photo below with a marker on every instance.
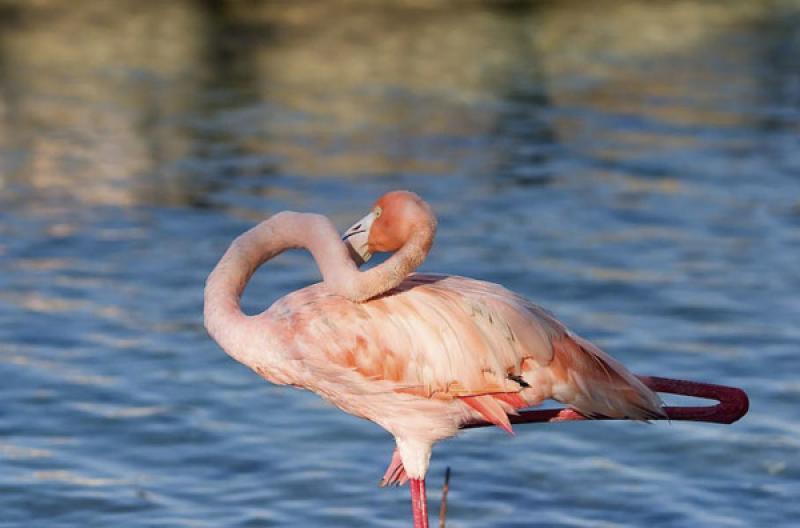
{"x":632,"y":166}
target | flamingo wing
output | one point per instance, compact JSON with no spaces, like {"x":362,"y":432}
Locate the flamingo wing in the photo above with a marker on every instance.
{"x":452,"y":338}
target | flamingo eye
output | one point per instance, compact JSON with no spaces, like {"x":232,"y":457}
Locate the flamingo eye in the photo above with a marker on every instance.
{"x":378,"y":212}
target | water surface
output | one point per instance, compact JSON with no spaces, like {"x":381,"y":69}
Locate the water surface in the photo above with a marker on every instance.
{"x":632,"y":166}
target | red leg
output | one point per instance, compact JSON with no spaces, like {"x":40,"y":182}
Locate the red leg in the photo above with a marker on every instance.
{"x":419,"y":503}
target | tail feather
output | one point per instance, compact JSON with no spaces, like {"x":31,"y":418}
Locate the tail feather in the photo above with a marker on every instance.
{"x":595,"y":384}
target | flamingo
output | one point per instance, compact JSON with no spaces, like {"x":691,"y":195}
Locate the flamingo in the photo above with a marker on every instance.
{"x":421,"y":355}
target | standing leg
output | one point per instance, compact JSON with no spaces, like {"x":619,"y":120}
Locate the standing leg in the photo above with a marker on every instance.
{"x":419,"y":503}
{"x":416,"y":455}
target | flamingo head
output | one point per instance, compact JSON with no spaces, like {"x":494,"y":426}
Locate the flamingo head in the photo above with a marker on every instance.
{"x":391,"y":222}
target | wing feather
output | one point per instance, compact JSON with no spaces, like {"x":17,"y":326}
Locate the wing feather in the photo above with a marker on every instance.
{"x":445,"y":337}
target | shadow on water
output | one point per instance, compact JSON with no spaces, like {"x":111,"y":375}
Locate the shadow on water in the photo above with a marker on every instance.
{"x":630,"y":165}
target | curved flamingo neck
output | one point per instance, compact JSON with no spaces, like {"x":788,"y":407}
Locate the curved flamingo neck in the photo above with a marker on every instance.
{"x":222,"y":312}
{"x":234,"y":330}
{"x":223,"y":315}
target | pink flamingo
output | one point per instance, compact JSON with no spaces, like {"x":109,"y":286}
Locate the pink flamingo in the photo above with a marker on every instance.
{"x":420,"y":355}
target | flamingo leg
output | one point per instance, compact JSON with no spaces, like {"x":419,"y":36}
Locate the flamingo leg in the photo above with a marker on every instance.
{"x":419,"y":503}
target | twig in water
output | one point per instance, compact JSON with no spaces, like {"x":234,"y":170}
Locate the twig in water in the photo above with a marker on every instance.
{"x":443,"y":507}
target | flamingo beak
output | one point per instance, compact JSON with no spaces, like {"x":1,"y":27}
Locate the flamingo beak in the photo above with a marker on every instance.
{"x":357,"y":239}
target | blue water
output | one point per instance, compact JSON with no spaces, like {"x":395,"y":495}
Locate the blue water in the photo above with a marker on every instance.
{"x":632,"y":166}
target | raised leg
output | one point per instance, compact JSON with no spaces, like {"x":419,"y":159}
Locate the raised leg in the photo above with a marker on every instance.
{"x":419,"y":503}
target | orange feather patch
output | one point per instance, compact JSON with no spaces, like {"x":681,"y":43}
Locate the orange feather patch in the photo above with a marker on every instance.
{"x":491,"y":410}
{"x":512,"y":398}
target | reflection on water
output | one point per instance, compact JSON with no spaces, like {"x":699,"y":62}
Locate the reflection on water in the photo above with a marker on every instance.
{"x":631,"y":165}
{"x":129,"y":104}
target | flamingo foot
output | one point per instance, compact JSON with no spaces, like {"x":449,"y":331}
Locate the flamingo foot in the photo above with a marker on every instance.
{"x":419,"y":503}
{"x":567,"y":415}
{"x":395,"y":474}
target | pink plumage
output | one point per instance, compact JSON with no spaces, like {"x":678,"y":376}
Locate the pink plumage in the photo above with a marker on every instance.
{"x":453,"y":340}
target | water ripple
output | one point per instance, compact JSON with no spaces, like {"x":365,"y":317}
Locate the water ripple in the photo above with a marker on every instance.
{"x":633,"y":168}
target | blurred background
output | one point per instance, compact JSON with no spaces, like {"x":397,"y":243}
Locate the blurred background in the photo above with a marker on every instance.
{"x":632,"y":166}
